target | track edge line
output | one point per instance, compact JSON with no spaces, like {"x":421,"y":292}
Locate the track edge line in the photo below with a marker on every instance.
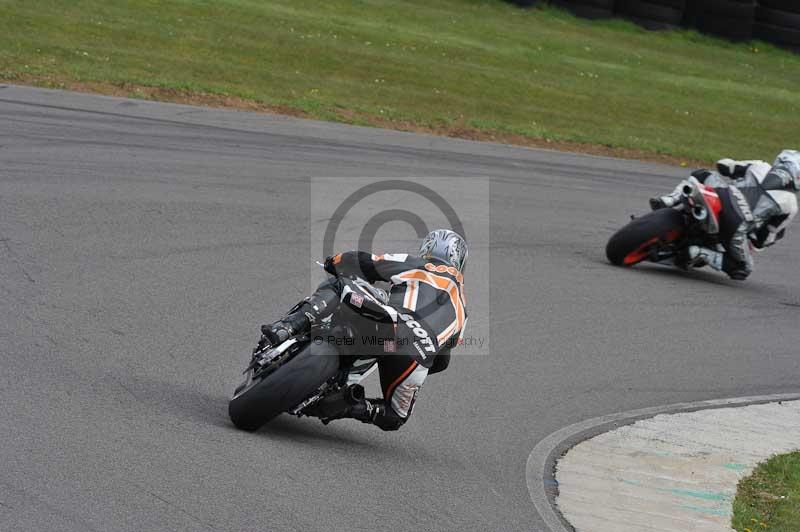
{"x":540,"y":466}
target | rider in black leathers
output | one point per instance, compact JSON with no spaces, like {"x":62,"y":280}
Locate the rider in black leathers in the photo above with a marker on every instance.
{"x":422,"y":320}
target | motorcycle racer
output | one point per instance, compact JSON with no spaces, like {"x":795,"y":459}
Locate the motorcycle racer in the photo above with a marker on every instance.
{"x":418,"y":323}
{"x":758,"y":203}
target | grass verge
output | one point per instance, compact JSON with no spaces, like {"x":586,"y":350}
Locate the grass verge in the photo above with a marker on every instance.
{"x":769,"y":499}
{"x":469,"y":68}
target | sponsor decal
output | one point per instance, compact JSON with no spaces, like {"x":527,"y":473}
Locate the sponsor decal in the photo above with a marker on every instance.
{"x":389,"y":346}
{"x":356,"y":300}
{"x":441,"y":268}
{"x":420,"y":351}
{"x":422,"y":335}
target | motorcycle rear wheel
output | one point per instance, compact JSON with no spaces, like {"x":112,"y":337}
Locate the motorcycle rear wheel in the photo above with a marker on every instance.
{"x":632,"y":244}
{"x":285,"y":387}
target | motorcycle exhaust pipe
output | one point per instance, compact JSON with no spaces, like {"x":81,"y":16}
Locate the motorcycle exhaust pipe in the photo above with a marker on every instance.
{"x":700,"y":213}
{"x":354,"y":394}
{"x":687,"y":190}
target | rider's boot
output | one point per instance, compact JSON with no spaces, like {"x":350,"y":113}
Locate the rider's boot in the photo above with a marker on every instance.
{"x":376,"y":412}
{"x":278,"y":332}
{"x":364,"y":410}
{"x":347,"y":403}
{"x":665,"y":202}
{"x":699,"y":256}
{"x":302,"y":316}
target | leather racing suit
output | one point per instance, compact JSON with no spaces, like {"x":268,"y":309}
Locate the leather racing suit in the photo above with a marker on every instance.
{"x":758,"y":203}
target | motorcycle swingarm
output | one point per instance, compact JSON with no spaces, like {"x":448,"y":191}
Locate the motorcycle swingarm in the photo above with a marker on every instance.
{"x":355,"y":375}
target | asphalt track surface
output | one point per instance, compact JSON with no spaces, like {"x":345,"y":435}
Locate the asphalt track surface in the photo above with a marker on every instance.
{"x":141,"y":244}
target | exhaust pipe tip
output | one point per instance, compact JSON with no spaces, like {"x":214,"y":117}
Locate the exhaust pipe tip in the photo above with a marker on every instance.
{"x":355,"y":394}
{"x":700,"y":213}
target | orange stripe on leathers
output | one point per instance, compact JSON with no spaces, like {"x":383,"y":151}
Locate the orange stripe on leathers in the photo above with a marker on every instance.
{"x":447,"y":333}
{"x":398,"y":380}
{"x":442,"y":283}
{"x":411,"y":290}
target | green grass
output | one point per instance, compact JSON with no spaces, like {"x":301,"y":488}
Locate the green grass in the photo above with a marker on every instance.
{"x":769,"y":499}
{"x":470,"y":64}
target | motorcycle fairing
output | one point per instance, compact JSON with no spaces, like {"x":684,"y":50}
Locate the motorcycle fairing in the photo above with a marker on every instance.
{"x":704,"y":199}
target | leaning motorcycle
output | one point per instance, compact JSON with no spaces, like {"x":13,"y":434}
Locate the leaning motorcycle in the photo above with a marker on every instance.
{"x":664,"y":235}
{"x":295,"y":375}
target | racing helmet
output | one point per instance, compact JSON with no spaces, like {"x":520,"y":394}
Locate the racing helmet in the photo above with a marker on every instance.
{"x":445,"y":245}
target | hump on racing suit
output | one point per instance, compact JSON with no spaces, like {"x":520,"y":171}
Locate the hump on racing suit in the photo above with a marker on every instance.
{"x":770,"y":191}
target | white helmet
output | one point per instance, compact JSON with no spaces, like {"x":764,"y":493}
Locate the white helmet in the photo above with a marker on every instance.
{"x":446,"y":246}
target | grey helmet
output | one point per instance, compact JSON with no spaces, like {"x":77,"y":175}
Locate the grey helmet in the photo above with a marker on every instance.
{"x":446,"y":246}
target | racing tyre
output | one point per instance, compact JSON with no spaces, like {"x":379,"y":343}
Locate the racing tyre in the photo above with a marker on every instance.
{"x":743,"y":9}
{"x":782,"y":5}
{"x":730,"y":19}
{"x":779,"y":35}
{"x":777,"y":27}
{"x":600,"y":4}
{"x":631,"y":244}
{"x":652,"y":14}
{"x":591,"y":9}
{"x":777,"y":17}
{"x":733,"y":29}
{"x":258,"y":401}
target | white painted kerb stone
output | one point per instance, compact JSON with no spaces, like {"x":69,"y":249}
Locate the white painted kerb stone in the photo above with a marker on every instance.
{"x":674,"y":472}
